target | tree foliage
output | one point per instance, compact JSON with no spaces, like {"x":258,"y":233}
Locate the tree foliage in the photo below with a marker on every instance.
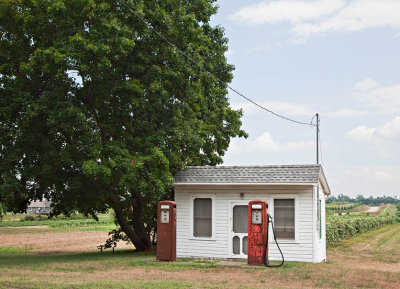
{"x":98,"y":112}
{"x":376,"y":201}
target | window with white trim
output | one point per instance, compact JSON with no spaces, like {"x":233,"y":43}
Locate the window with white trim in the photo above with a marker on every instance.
{"x":284,"y":218}
{"x":202,"y":217}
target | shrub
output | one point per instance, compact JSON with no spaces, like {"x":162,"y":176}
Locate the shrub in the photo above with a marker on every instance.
{"x":339,"y":229}
{"x":28,"y":218}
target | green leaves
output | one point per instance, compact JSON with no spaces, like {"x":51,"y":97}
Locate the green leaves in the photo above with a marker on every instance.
{"x":86,"y":87}
{"x":341,"y":228}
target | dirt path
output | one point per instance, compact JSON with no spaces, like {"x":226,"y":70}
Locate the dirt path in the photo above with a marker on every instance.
{"x":42,"y":239}
{"x":373,"y":209}
{"x":378,"y":251}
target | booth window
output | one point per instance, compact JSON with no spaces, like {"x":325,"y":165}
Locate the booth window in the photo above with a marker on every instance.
{"x":284,"y":218}
{"x":202,"y":217}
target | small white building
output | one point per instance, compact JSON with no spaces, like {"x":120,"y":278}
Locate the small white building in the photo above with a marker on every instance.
{"x":42,"y":207}
{"x":212,"y":210}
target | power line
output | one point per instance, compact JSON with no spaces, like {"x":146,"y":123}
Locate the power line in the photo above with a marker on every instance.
{"x":148,"y":24}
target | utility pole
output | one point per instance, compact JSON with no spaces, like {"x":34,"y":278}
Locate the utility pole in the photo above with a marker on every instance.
{"x":317,"y":127}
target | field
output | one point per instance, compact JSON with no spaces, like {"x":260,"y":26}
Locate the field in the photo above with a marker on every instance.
{"x":66,"y":257}
{"x":359,"y":210}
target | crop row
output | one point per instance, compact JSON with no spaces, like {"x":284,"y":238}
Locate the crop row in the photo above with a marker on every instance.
{"x":59,"y":223}
{"x":79,"y":223}
{"x":343,"y":207}
{"x":339,"y":228}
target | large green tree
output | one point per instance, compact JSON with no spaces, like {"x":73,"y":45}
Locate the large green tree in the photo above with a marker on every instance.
{"x":97,"y":111}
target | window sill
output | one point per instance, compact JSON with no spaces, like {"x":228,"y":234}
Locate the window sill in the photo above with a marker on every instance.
{"x":283,"y":241}
{"x":202,"y":239}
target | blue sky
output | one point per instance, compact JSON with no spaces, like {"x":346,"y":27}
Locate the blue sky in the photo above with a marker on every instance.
{"x":338,"y":58}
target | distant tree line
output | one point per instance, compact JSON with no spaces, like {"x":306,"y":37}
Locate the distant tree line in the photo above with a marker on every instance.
{"x":365,"y":201}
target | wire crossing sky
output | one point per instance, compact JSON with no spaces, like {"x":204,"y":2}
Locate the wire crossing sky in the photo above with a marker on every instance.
{"x":295,"y":58}
{"x":150,"y":26}
{"x":335,"y":57}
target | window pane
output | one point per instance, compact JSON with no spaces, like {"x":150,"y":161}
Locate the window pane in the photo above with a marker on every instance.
{"x":284,"y":218}
{"x":236,"y":245}
{"x":202,"y":217}
{"x":245,"y":245}
{"x":240,"y":222}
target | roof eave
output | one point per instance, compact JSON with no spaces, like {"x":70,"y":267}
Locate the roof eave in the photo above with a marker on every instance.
{"x":244,"y":184}
{"x":324,"y":182}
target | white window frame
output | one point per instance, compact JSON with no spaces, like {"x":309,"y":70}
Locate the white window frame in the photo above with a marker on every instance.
{"x":191,"y":209}
{"x":271,"y":209}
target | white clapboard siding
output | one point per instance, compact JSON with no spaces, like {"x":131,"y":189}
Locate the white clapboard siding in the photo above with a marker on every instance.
{"x":218,"y":247}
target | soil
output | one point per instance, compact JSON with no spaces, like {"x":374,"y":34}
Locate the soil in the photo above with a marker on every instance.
{"x":47,"y":241}
{"x":354,"y":264}
{"x":373,"y":209}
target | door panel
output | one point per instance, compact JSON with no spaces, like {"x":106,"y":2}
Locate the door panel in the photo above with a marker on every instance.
{"x":238,"y":230}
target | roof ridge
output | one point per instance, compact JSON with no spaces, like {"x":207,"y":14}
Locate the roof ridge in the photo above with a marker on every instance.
{"x":255,"y":166}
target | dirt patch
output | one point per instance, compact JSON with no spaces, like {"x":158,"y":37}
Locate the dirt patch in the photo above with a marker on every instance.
{"x":377,"y":210}
{"x":230,"y":263}
{"x":373,"y":209}
{"x":61,"y":242}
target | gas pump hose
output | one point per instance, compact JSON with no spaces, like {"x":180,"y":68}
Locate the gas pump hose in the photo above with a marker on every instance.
{"x":266,"y":261}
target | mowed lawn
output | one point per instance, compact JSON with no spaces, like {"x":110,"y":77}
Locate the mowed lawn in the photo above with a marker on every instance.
{"x":64,"y":260}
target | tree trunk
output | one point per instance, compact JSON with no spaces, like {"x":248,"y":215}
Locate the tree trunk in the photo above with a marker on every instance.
{"x":136,"y":231}
{"x":138,"y":224}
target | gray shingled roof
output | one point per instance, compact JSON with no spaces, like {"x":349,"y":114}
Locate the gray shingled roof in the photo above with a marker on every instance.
{"x":250,"y":174}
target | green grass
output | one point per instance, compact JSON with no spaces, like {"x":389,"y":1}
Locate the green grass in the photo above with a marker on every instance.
{"x":19,"y":220}
{"x":59,"y":223}
{"x":146,"y":284}
{"x":390,"y":210}
{"x":22,"y":268}
{"x":13,"y":250}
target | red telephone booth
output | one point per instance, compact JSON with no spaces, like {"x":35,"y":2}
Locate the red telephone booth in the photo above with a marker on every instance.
{"x":257,"y":232}
{"x":166,"y":231}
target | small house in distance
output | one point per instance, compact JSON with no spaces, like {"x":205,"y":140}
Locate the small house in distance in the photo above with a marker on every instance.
{"x":212,"y":210}
{"x":39,"y":207}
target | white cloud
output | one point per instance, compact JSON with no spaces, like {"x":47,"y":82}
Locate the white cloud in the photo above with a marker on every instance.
{"x":266,"y":144}
{"x":310,"y":18}
{"x":374,"y":174}
{"x":362,"y":133}
{"x":365,"y":84}
{"x":286,"y":10}
{"x":347,"y":112}
{"x":285,"y":108}
{"x":260,"y":48}
{"x":385,"y":99}
{"x":365,"y":180}
{"x":390,"y":131}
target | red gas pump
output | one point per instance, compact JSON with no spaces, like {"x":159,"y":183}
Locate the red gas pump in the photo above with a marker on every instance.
{"x":166,"y":231}
{"x":257,"y":232}
{"x":258,"y":224}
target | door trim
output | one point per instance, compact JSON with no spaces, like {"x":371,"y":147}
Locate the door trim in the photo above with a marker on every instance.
{"x":231,"y":234}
